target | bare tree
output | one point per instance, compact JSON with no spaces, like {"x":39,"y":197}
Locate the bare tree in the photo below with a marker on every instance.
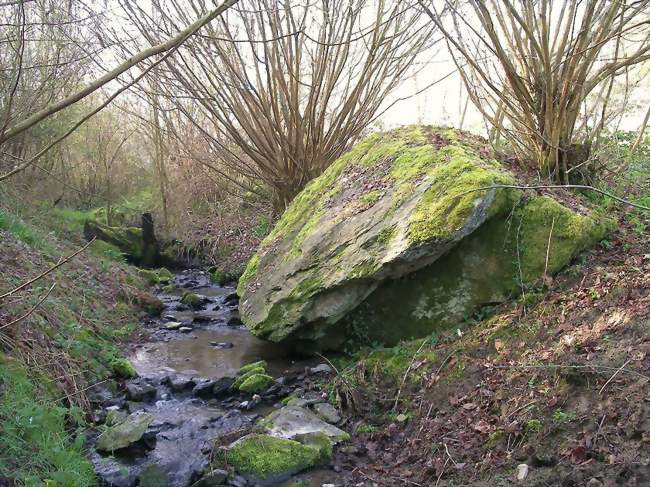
{"x":530,"y":68}
{"x":285,"y":88}
{"x":19,"y":119}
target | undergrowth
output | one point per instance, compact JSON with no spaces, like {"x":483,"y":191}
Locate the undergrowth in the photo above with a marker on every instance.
{"x":69,"y":342}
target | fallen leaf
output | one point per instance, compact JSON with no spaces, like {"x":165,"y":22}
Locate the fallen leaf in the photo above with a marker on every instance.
{"x":482,"y":426}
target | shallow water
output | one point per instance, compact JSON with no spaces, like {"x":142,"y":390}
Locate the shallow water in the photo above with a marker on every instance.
{"x":192,"y":354}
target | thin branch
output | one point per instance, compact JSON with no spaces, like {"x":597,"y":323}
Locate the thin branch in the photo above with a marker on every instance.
{"x":43,"y":274}
{"x":21,"y":318}
{"x":176,"y":40}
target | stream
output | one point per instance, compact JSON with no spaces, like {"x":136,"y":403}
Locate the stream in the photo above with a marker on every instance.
{"x":185,"y":368}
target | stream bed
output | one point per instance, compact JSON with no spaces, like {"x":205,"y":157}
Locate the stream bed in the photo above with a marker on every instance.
{"x":185,"y":369}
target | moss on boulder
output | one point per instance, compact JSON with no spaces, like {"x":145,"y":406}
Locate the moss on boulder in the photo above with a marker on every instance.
{"x":252,"y":378}
{"x":251,"y":366}
{"x":156,"y":276}
{"x":151,"y":304}
{"x":191,"y":299}
{"x":266,"y":460}
{"x":395,"y":205}
{"x":125,"y":433}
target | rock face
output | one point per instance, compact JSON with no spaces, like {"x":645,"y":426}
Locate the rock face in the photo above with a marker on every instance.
{"x":400,"y":224}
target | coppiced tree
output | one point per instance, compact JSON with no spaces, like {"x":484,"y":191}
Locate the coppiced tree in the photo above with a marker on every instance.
{"x":537,"y":69}
{"x":284,"y":88}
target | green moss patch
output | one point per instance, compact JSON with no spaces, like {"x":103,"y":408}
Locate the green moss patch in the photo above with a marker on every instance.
{"x":265,"y":458}
{"x":256,"y":383}
{"x":253,"y":365}
{"x":449,"y":205}
{"x":191,"y":299}
{"x":252,"y":378}
{"x":123,"y":368}
{"x":548,"y":228}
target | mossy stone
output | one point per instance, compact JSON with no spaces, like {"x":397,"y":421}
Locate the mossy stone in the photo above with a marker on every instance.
{"x":251,"y":366}
{"x":127,"y":239}
{"x":321,"y":442}
{"x":415,"y":206}
{"x":123,"y":368}
{"x":124,"y":433}
{"x":151,"y":304}
{"x":164,"y":275}
{"x":259,"y":370}
{"x":150,"y":276}
{"x":265,"y":459}
{"x":192,"y":299}
{"x":393,"y":204}
{"x":256,"y":383}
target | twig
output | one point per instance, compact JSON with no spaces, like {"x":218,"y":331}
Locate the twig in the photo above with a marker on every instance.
{"x":339,"y":374}
{"x":67,"y":396}
{"x":442,"y":472}
{"x":556,"y":186}
{"x":444,"y":362}
{"x":449,"y":454}
{"x":520,"y":408}
{"x":43,"y":274}
{"x":21,"y":318}
{"x":622,"y":367}
{"x":548,"y":246}
{"x":558,"y":366}
{"x":399,"y":391}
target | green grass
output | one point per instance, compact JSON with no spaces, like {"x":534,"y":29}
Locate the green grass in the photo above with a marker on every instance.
{"x":17,"y":227}
{"x":25,"y":232}
{"x":35,"y":445}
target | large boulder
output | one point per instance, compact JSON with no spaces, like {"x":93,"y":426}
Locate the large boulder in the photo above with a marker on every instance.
{"x":406,"y":209}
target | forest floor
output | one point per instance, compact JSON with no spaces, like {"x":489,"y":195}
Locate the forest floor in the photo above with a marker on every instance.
{"x":551,"y":390}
